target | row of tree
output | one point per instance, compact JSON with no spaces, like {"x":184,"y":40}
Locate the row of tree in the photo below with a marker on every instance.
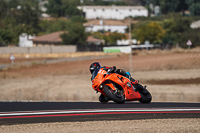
{"x":68,"y":7}
{"x":19,"y":16}
{"x":170,"y":29}
{"x":169,"y":6}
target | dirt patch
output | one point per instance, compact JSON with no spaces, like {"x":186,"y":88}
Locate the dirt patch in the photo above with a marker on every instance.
{"x":153,"y":62}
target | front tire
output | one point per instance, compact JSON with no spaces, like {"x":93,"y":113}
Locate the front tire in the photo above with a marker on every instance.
{"x":116,"y":97}
{"x":145,"y":95}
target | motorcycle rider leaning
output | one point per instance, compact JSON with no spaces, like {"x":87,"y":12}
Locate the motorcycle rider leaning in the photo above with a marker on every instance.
{"x":97,"y":65}
{"x":113,"y":69}
{"x":145,"y":95}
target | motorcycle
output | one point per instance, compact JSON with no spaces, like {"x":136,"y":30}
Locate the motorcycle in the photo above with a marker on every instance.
{"x":118,"y":88}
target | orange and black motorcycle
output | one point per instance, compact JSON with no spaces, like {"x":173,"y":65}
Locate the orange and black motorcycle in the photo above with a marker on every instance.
{"x":118,"y":88}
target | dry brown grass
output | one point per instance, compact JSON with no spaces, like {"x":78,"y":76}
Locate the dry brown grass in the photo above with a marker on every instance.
{"x":70,"y":80}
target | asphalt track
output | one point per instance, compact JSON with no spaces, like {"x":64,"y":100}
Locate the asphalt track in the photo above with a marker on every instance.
{"x":42,"y":112}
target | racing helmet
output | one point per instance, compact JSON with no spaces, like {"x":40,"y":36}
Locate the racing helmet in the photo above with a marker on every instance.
{"x":94,"y":66}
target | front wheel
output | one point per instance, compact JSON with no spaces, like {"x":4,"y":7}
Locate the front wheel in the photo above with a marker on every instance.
{"x":145,"y":95}
{"x":115,"y":95}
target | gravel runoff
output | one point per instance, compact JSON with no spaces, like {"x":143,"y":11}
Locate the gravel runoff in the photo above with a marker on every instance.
{"x":128,"y":126}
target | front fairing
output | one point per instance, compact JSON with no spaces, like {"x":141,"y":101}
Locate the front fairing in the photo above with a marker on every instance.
{"x":126,"y":85}
{"x":98,"y":77}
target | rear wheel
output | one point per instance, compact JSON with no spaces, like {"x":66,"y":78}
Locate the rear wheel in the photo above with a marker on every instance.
{"x":116,"y":95}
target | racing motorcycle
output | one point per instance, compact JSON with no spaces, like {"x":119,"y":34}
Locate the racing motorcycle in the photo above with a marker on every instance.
{"x":118,"y":88}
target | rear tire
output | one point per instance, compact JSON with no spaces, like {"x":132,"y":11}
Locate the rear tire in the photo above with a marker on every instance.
{"x":112,"y":96}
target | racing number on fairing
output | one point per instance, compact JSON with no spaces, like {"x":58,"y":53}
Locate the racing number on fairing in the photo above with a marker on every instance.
{"x":101,"y":71}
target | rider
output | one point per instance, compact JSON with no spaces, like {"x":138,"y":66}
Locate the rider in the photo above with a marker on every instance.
{"x":97,"y":65}
{"x":113,"y":69}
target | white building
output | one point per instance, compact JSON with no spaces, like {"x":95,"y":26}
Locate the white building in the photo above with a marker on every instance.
{"x":195,"y":24}
{"x":26,"y":40}
{"x":119,"y":26}
{"x":126,"y":42}
{"x":113,"y":12}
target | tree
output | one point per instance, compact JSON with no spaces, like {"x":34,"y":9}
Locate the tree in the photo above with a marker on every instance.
{"x":6,"y":36}
{"x":71,"y":9}
{"x":168,"y":6}
{"x":49,"y":26}
{"x":54,"y":8}
{"x":63,"y":8}
{"x":3,"y":9}
{"x":195,"y":9}
{"x":79,"y":19}
{"x":108,"y":37}
{"x":171,"y":33}
{"x":15,"y":21}
{"x":151,"y":31}
{"x":75,"y":34}
{"x":113,"y":37}
{"x":28,"y":17}
{"x":100,"y":35}
{"x":193,"y":35}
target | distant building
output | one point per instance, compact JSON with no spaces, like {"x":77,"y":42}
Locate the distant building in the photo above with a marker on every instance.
{"x":49,"y":39}
{"x":54,"y":39}
{"x":94,"y":41}
{"x":126,"y":42}
{"x":195,"y":24}
{"x":113,"y":12}
{"x":107,"y":25}
{"x":26,"y":40}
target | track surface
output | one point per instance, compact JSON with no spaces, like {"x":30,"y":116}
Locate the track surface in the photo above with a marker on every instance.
{"x":39,"y":112}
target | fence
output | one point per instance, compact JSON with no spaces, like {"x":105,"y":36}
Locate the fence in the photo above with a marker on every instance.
{"x":66,"y":48}
{"x":42,"y":50}
{"x":81,"y":48}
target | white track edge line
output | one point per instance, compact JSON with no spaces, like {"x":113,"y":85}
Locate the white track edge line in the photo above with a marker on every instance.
{"x":92,"y":111}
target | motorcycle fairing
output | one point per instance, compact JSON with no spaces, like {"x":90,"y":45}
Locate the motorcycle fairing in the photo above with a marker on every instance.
{"x":130,"y":94}
{"x":101,"y":77}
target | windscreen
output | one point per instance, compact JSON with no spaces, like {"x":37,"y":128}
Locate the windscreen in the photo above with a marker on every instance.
{"x":95,"y":72}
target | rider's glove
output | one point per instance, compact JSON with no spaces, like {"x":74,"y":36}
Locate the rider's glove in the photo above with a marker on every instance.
{"x":135,"y":82}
